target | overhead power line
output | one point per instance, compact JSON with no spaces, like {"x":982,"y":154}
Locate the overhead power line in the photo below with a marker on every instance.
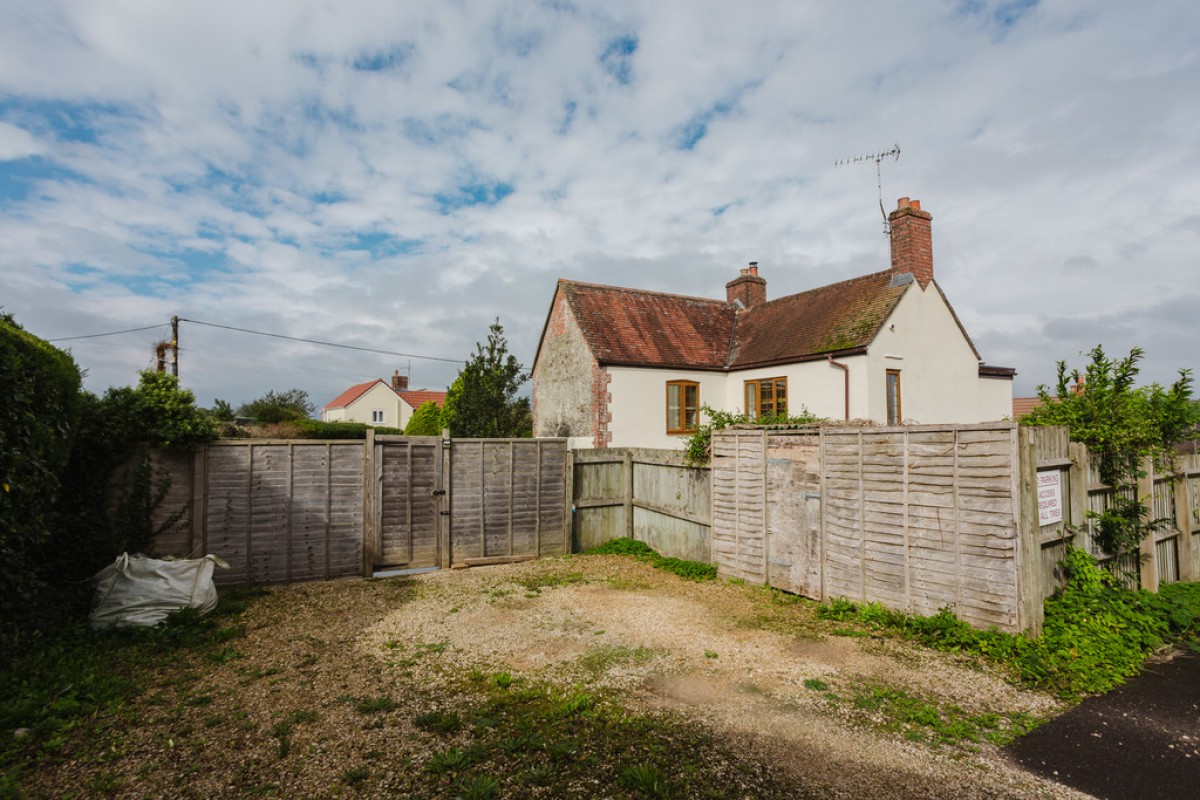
{"x":321,"y":343}
{"x":110,"y":333}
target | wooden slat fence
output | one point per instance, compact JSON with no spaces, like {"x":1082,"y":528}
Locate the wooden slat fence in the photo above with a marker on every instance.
{"x":283,"y":511}
{"x":509,"y":500}
{"x":653,"y":496}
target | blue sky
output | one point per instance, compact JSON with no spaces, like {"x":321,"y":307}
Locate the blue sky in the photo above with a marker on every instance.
{"x":396,"y":175}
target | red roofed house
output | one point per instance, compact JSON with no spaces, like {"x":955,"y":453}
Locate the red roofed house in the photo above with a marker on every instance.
{"x":378,"y":403}
{"x":625,"y":367}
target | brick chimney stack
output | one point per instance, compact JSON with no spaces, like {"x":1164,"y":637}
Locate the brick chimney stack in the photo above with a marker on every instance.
{"x":912,"y":241}
{"x":399,"y":382}
{"x":747,"y":287}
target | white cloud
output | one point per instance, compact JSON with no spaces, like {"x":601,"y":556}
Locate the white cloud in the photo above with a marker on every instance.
{"x":228,"y":162}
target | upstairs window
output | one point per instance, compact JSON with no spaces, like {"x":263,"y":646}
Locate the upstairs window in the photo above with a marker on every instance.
{"x":894,"y":412}
{"x":766,"y":397}
{"x":376,"y":417}
{"x":683,"y":406}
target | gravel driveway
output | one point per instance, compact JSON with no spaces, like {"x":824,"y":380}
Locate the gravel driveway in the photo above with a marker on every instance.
{"x":753,"y":667}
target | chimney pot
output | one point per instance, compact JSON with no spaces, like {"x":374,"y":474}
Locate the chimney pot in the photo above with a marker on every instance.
{"x":903,"y":202}
{"x":753,"y":267}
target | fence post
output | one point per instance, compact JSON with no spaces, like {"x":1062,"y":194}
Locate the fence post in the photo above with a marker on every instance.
{"x":1183,"y":523}
{"x":1029,"y":546}
{"x":197,"y":541}
{"x":368,"y":523}
{"x":1148,"y":550}
{"x":627,"y":492}
{"x":445,"y":500}
{"x":1078,"y":477}
{"x":569,"y":501}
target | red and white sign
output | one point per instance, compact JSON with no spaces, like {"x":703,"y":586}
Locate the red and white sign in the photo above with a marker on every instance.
{"x":1050,"y":500}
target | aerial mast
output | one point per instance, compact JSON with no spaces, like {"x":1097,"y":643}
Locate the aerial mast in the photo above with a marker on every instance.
{"x":878,"y":158}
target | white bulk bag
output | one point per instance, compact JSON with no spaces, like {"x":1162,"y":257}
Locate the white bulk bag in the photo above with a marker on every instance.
{"x":136,"y":590}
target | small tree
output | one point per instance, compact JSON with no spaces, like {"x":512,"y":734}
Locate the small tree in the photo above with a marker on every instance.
{"x":274,"y":406}
{"x":1122,"y":425}
{"x":425,"y":421}
{"x":482,"y":401}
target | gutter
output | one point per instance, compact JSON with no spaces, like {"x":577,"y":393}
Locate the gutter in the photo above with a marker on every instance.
{"x":845,"y":368}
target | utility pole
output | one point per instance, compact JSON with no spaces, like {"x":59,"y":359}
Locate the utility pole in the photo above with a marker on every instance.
{"x":175,"y":346}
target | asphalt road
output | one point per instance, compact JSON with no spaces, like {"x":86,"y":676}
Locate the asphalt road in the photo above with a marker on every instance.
{"x":1141,"y":740}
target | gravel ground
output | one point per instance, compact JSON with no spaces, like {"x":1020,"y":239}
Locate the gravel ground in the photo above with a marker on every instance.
{"x":283,"y":714}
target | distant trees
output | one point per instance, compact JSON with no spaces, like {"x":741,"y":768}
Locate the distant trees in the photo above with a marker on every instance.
{"x":425,"y":421}
{"x":482,"y":402}
{"x":289,"y":406}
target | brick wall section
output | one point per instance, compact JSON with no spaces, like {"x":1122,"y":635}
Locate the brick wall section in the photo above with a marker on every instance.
{"x":912,"y":241}
{"x":601,"y":398}
{"x":564,"y":377}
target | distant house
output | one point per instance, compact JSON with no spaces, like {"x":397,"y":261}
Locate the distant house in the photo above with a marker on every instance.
{"x":628,"y":367}
{"x":379,"y":403}
{"x":1023,"y":405}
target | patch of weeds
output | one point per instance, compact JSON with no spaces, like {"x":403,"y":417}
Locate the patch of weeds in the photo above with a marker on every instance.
{"x":502,"y":680}
{"x":524,"y":742}
{"x":710,"y":654}
{"x":374,"y":705}
{"x":438,"y":721}
{"x":646,"y":780}
{"x":355,"y":776}
{"x":449,"y":761}
{"x":199,"y":700}
{"x":925,"y":720}
{"x":689,"y":570}
{"x":816,"y":684}
{"x":542,"y":774}
{"x":251,"y":674}
{"x":578,"y":703}
{"x":480,"y":787}
{"x":284,"y":728}
{"x":431,"y":647}
{"x":224,"y":655}
{"x":604,"y":658}
{"x":534,"y":584}
{"x":104,"y":782}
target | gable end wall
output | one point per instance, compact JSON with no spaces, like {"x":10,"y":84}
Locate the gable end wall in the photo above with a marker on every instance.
{"x":570,"y":389}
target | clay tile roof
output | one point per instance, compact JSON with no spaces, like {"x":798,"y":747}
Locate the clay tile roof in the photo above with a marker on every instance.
{"x":350,"y":395}
{"x":630,"y":327}
{"x":838,"y":317}
{"x":1023,"y":405}
{"x":419,"y":397}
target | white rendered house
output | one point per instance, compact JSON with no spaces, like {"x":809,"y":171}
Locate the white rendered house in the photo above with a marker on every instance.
{"x":620,"y":367}
{"x":379,"y":403}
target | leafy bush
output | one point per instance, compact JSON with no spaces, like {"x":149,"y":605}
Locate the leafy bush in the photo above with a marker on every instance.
{"x":1096,"y":633}
{"x":287,"y":406}
{"x":699,"y":444}
{"x":39,"y":410}
{"x":425,"y":421}
{"x":692,"y":570}
{"x":1121,"y":424}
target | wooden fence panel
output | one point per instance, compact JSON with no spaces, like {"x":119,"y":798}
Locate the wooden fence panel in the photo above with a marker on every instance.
{"x":507,"y":500}
{"x":793,"y":492}
{"x":739,"y":505}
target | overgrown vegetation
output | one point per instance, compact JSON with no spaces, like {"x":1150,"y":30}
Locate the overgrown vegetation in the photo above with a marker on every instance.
{"x":67,"y":506}
{"x":1096,"y":633}
{"x":307,"y":429}
{"x":68,"y":679}
{"x":425,"y":421}
{"x":1122,"y":425}
{"x":698,"y":449}
{"x":692,"y":570}
{"x":482,"y":402}
{"x":289,"y":405}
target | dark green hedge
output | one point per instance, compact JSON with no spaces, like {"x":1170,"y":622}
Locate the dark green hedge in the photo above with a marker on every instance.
{"x":39,"y":409}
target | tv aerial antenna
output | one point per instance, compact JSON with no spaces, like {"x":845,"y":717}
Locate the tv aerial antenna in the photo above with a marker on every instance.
{"x":878,"y":158}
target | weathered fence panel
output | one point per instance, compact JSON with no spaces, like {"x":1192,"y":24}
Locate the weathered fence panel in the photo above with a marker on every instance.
{"x":916,"y":518}
{"x":508,"y":501}
{"x":653,"y":496}
{"x":283,"y":511}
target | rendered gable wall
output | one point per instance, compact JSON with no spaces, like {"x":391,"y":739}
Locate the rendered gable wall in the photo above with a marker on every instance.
{"x":939,"y":372}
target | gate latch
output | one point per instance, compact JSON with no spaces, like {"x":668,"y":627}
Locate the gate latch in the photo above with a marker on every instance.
{"x":438,"y":492}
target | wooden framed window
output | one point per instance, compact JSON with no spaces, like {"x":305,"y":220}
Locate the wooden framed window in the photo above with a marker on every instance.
{"x":376,"y":417}
{"x":683,"y":406}
{"x":894,"y":412}
{"x":766,"y":397}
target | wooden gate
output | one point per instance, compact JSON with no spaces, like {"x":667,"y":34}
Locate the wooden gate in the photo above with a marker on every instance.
{"x":466,"y":502}
{"x":408,"y":490}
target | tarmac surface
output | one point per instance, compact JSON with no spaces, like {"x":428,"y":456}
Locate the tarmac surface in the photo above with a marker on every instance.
{"x":1141,"y":740}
